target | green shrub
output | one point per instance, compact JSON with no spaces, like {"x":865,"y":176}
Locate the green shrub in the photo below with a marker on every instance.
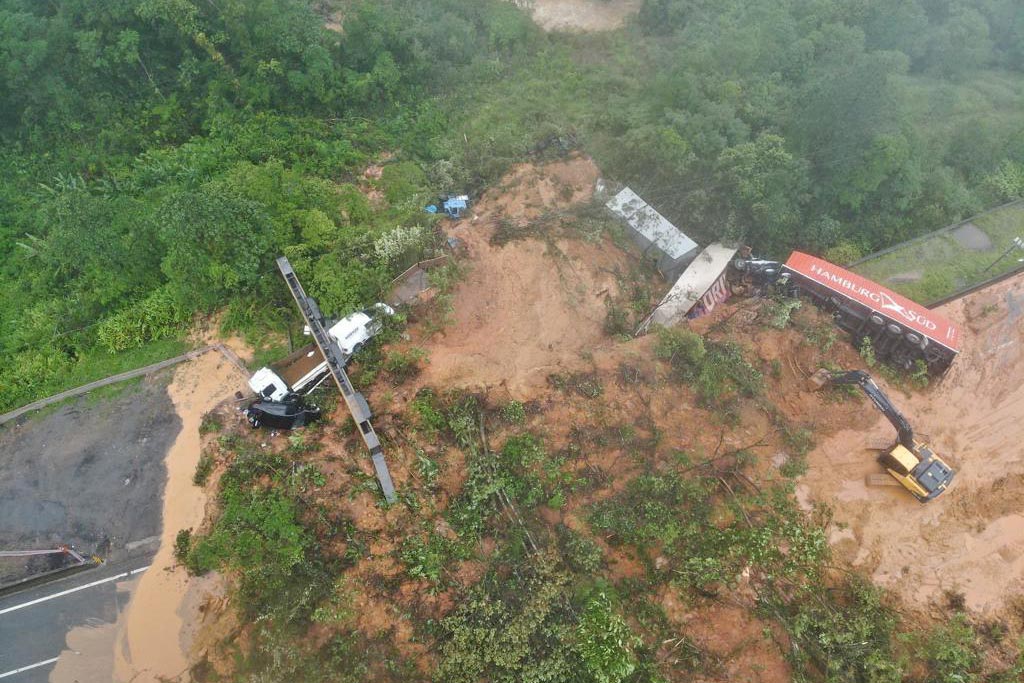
{"x":867,"y":352}
{"x":429,"y":417}
{"x":778,"y":311}
{"x":511,"y":629}
{"x":683,"y":349}
{"x":953,"y":653}
{"x":717,"y":370}
{"x":523,"y":470}
{"x":203,"y":469}
{"x":920,"y":376}
{"x":514,"y":413}
{"x":403,"y":180}
{"x":158,"y":315}
{"x":605,"y":642}
{"x":211,"y":422}
{"x":259,"y":534}
{"x":581,"y":554}
{"x":404,"y":365}
{"x":849,"y":635}
{"x":823,"y":335}
{"x":585,"y":384}
{"x":616,"y":322}
{"x":426,"y":559}
{"x":182,"y":545}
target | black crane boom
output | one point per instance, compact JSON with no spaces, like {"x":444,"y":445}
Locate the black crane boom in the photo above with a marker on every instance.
{"x":355,"y":401}
{"x":903,"y":429}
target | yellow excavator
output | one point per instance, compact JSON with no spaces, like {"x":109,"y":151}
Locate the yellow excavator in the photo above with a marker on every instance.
{"x":912,"y":463}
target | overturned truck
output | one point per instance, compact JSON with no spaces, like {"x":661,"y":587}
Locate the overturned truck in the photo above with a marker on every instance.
{"x":901,"y":332}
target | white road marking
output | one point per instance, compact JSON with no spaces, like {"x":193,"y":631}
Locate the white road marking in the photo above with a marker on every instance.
{"x":30,"y":666}
{"x":123,"y":575}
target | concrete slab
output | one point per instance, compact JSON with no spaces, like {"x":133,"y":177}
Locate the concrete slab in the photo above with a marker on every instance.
{"x":900,"y":278}
{"x":970,"y":236}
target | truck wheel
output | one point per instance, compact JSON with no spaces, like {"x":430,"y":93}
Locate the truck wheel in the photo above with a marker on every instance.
{"x":357,"y":348}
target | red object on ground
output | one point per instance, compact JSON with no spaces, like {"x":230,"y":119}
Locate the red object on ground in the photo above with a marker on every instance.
{"x":876,"y":297}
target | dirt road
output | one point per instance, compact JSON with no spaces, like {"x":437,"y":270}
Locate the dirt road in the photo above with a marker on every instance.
{"x":970,"y":540}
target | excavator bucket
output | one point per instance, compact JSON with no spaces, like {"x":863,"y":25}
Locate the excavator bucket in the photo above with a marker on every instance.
{"x":820,"y":379}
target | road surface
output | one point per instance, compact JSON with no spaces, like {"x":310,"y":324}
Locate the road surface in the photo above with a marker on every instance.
{"x":35,"y":622}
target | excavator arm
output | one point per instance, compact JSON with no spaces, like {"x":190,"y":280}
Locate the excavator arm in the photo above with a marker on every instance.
{"x":913,"y":465}
{"x":862,"y":379}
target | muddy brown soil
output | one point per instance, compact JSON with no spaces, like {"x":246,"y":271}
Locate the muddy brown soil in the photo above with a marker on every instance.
{"x":158,"y":627}
{"x":581,"y":16}
{"x":528,"y":308}
{"x":970,"y":540}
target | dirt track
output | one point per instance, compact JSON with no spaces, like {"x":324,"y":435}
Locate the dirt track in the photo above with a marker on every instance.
{"x":970,"y":540}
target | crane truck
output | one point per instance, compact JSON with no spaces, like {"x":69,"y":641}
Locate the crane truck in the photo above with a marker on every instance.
{"x":304,"y":370}
{"x":281,"y":387}
{"x":912,"y":463}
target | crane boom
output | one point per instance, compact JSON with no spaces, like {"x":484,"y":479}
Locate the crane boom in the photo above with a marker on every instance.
{"x":355,"y":401}
{"x":903,"y":429}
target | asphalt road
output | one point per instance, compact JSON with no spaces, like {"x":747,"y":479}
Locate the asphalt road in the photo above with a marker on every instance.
{"x":90,"y":473}
{"x":35,"y":622}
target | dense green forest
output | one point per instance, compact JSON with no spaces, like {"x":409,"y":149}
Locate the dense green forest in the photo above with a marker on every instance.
{"x":158,"y":154}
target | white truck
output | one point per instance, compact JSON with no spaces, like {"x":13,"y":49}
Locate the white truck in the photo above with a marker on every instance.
{"x":305,"y":369}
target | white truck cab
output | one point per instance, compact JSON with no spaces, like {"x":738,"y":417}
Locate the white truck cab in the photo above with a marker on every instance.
{"x":268,"y":385}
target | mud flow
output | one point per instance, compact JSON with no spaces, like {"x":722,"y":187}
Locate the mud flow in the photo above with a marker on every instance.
{"x":969,"y":541}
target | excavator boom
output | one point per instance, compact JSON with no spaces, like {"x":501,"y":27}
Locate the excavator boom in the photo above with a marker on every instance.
{"x":905,"y":433}
{"x":912,"y":464}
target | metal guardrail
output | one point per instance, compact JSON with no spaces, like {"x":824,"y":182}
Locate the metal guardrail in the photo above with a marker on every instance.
{"x":355,"y":401}
{"x":975,"y":287}
{"x":123,"y":376}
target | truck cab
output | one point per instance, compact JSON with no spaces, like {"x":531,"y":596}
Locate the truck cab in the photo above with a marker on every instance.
{"x":268,"y":385}
{"x":354,"y":330}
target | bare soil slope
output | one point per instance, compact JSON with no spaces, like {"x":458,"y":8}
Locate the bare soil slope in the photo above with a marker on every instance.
{"x":970,"y":540}
{"x":528,"y":308}
{"x":581,"y":15}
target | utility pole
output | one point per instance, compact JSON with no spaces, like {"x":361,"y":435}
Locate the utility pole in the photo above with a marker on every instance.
{"x":1017,"y":243}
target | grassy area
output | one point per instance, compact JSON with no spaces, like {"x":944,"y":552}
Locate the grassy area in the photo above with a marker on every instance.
{"x":940,"y":265}
{"x":989,"y":98}
{"x":98,"y":365}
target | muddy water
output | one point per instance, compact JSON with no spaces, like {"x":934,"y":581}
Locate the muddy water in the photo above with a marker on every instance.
{"x":154,"y":635}
{"x":90,"y":649}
